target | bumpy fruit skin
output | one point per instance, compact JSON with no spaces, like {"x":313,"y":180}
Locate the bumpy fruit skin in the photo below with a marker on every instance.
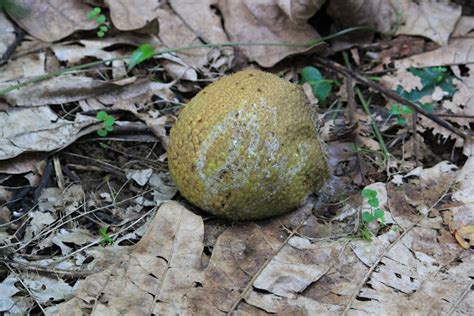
{"x":246,"y":147}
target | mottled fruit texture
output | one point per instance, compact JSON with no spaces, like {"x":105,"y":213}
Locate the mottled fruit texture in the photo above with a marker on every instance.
{"x":246,"y":147}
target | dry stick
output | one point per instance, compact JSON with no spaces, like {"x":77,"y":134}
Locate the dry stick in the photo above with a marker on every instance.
{"x":324,"y":62}
{"x":32,"y":267}
{"x":463,"y":295}
{"x":386,"y":250}
{"x":415,"y":138}
{"x":351,"y":104}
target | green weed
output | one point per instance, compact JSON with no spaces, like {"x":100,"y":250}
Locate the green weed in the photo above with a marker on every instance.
{"x":108,"y":122}
{"x":106,"y":239}
{"x":100,"y":19}
{"x":373,"y":214}
{"x":321,"y":87}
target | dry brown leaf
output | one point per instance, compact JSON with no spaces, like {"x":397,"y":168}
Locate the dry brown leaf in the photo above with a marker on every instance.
{"x":202,"y":20}
{"x":462,"y":216}
{"x":23,"y":164}
{"x":296,"y":266}
{"x":57,"y":90}
{"x":175,"y":33}
{"x":266,"y":21}
{"x":24,"y":67}
{"x":52,"y":20}
{"x":465,"y":236}
{"x":432,"y":19}
{"x":457,"y":52}
{"x":155,"y":274}
{"x":129,"y":15}
{"x":7,"y":33}
{"x":464,"y":27}
{"x":38,"y":129}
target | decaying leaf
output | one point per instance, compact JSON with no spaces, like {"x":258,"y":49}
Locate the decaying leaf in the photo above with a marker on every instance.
{"x":465,"y":236}
{"x":433,"y":19}
{"x":265,"y":21}
{"x":7,"y":33}
{"x":458,"y":51}
{"x":133,"y":14}
{"x":38,"y":130}
{"x":23,"y":67}
{"x":156,"y":272}
{"x":52,"y":20}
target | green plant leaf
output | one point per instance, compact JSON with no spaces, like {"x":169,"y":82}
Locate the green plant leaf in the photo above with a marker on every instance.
{"x":109,"y":120}
{"x":320,"y":86}
{"x":373,"y":202}
{"x":321,"y":89}
{"x":100,"y":34}
{"x":395,"y":109}
{"x":428,"y":107}
{"x":100,"y":19}
{"x":142,"y":53}
{"x":101,"y":115}
{"x":104,"y":28}
{"x":379,"y":213}
{"x":369,"y":193}
{"x":406,"y":110}
{"x":93,"y":13}
{"x":102,"y":132}
{"x":311,"y":74}
{"x":401,"y":121}
{"x":367,"y":217}
{"x":108,"y":128}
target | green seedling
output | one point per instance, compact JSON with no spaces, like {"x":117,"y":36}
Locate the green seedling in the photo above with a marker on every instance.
{"x":321,"y":87}
{"x":375,"y":213}
{"x":400,"y":112}
{"x":142,"y":53}
{"x":431,"y":78}
{"x":106,"y":239}
{"x":100,"y":19}
{"x":108,"y":122}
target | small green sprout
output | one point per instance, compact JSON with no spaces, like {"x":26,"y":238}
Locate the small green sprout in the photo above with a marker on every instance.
{"x":399,"y":112}
{"x":375,"y":213}
{"x":142,"y":53}
{"x":321,"y":87}
{"x":106,"y":239}
{"x":108,"y":122}
{"x":100,"y":19}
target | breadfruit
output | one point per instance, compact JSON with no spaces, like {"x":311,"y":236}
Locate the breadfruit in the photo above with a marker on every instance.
{"x":246,"y":147}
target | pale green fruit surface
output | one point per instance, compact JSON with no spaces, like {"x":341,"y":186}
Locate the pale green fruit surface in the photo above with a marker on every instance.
{"x":246,"y":147}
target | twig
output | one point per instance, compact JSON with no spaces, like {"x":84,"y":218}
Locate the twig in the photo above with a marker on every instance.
{"x":459,"y":300}
{"x":415,"y":138}
{"x":26,"y":266}
{"x":324,"y":62}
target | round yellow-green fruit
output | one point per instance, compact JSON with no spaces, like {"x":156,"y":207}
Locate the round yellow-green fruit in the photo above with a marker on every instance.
{"x":246,"y":147}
